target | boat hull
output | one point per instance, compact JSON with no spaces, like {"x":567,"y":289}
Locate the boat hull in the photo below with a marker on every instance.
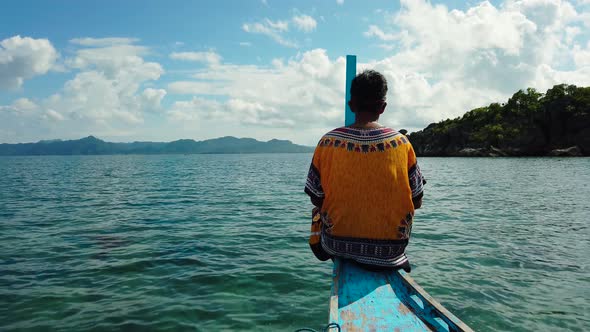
{"x":365,"y":300}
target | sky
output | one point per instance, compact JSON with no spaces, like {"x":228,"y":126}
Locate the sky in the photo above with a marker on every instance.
{"x":165,"y":70}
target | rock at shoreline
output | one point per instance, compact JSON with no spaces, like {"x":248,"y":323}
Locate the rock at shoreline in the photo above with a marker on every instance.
{"x":469,"y":152}
{"x":573,"y":151}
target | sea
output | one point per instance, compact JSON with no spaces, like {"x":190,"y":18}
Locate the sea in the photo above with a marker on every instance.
{"x":219,"y":243}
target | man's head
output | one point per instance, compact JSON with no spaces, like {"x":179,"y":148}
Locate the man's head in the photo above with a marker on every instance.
{"x":367,"y":92}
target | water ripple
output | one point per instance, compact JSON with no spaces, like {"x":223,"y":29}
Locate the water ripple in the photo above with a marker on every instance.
{"x":219,"y":242}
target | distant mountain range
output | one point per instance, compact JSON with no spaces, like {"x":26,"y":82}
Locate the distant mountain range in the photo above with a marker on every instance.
{"x":93,"y":146}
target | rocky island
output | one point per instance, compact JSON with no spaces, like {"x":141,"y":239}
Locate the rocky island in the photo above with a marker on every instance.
{"x":556,"y":123}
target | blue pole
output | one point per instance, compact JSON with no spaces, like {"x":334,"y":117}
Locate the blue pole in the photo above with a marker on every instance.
{"x":350,"y":74}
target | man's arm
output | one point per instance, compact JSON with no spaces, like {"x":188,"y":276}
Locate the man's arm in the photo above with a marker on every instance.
{"x":313,"y":185}
{"x":417,"y":181}
{"x":417,"y":201}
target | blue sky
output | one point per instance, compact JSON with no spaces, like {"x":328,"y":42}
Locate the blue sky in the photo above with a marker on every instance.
{"x":165,"y":70}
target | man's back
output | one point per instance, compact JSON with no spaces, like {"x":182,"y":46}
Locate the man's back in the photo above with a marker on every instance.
{"x":365,"y":181}
{"x":367,"y":178}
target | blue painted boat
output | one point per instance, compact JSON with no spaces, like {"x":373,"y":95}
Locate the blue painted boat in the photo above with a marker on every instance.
{"x":365,"y":300}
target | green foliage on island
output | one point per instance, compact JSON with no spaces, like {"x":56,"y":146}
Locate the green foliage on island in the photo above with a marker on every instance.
{"x":93,"y":146}
{"x":530,"y":123}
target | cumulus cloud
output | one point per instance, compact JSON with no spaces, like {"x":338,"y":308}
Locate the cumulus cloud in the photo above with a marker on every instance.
{"x":272,"y":29}
{"x":209,"y":57}
{"x":304,"y":23}
{"x":152,"y":98}
{"x":450,"y":61}
{"x":303,"y":95}
{"x":24,"y":58}
{"x":340,"y":2}
{"x":106,"y":92}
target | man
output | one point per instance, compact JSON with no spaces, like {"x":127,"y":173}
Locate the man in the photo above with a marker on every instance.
{"x":365,"y":183}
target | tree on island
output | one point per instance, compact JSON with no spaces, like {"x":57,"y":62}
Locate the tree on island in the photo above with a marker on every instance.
{"x":530,"y":123}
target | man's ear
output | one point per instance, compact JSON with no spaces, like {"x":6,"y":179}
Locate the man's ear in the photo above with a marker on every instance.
{"x":352,"y":106}
{"x":382,"y":108}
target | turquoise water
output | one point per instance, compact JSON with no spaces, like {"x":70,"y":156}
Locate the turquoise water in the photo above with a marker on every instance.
{"x":219,"y":242}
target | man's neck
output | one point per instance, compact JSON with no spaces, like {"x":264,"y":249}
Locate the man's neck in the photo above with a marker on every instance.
{"x":366,"y":120}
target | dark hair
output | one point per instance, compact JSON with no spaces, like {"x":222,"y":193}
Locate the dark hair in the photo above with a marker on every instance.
{"x":368,"y":90}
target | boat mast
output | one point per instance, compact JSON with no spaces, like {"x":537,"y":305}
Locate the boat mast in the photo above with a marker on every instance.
{"x":350,"y":74}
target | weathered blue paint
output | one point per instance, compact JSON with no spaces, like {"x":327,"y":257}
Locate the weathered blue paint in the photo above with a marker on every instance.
{"x":365,"y":300}
{"x":350,"y":74}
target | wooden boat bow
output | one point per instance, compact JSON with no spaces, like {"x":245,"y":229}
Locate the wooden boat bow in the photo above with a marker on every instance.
{"x":363,"y":300}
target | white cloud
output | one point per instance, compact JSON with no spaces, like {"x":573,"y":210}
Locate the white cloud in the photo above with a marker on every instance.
{"x":202,"y":110}
{"x":24,"y":104}
{"x":106,"y":96}
{"x":209,"y":57}
{"x":387,"y":47}
{"x":106,"y":93}
{"x":197,"y":88}
{"x":102,"y":42}
{"x":197,"y":109}
{"x":581,"y":56}
{"x":53,"y":115}
{"x":20,"y":105}
{"x":480,"y":27}
{"x":305,"y":23}
{"x":571,"y":33}
{"x":24,"y":58}
{"x":278,"y":25}
{"x":110,"y":59}
{"x":245,"y":44}
{"x":340,"y":2}
{"x":301,"y":97}
{"x":277,"y":63}
{"x":152,"y":98}
{"x":256,"y":113}
{"x":271,"y":29}
{"x":375,"y":31}
{"x":276,"y":30}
